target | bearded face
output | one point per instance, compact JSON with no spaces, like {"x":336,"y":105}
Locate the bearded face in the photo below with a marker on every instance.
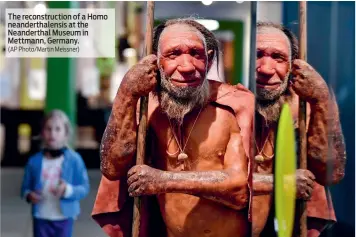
{"x":183,"y":65}
{"x":272,"y":71}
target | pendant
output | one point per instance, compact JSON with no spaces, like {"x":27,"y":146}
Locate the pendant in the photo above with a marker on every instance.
{"x":259,"y":158}
{"x":182,"y":156}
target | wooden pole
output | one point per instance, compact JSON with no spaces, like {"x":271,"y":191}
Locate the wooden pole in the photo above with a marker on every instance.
{"x":142,"y":128}
{"x":302,"y":114}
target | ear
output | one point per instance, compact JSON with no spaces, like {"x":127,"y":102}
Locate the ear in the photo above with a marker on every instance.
{"x":210,"y":58}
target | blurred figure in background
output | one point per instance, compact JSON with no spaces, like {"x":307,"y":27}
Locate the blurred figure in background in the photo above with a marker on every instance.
{"x":55,"y":180}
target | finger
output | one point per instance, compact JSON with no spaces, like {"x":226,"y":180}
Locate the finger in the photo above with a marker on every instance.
{"x":308,"y":195}
{"x":132,"y":179}
{"x":149,"y":59}
{"x":298,"y":63}
{"x":37,"y":199}
{"x":153,"y":67}
{"x":309,"y":190}
{"x":298,"y":73}
{"x":294,"y":79}
{"x":37,"y":196}
{"x":310,"y":182}
{"x":133,"y":187}
{"x":132,"y":171}
{"x":296,"y":85}
{"x":136,"y":193}
{"x":311,"y":175}
{"x":153,"y":75}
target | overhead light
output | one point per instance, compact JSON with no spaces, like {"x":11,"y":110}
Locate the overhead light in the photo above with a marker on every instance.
{"x":40,"y":8}
{"x":207,"y":2}
{"x":239,"y":1}
{"x":209,"y":24}
{"x":129,"y":52}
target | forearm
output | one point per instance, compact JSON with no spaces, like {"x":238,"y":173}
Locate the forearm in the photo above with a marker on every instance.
{"x":326,"y":143}
{"x":262,"y":184}
{"x":118,"y":144}
{"x":317,"y":141}
{"x":336,"y":145}
{"x":219,"y":186}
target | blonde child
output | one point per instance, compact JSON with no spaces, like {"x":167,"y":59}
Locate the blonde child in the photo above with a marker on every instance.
{"x":55,"y":180}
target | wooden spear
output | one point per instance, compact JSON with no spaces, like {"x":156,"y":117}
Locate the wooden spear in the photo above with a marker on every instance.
{"x":142,"y":127}
{"x":302,"y":113}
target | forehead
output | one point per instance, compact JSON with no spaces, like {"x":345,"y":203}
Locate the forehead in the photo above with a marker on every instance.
{"x":178,"y":35}
{"x":54,"y":121}
{"x":273,"y":39}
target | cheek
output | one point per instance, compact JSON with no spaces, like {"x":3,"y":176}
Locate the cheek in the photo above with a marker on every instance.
{"x":200,"y":66}
{"x":169,"y":66}
{"x":282,"y":70}
{"x":46,"y":135}
{"x":63,"y":135}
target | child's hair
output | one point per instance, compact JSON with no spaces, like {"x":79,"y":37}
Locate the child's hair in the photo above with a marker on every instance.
{"x":56,"y":113}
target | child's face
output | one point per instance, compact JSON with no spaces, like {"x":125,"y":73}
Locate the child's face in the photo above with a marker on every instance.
{"x":54,"y":133}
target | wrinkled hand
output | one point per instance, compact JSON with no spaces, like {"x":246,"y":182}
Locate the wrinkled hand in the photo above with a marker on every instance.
{"x":308,"y":83}
{"x":144,"y":180}
{"x":34,"y":197}
{"x":140,"y":80}
{"x":305,"y":183}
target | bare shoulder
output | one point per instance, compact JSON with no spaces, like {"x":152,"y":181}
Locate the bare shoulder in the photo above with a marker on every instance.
{"x":225,"y":116}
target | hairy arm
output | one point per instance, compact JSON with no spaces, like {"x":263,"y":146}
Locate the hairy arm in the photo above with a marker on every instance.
{"x":118,"y":145}
{"x":326,"y":147}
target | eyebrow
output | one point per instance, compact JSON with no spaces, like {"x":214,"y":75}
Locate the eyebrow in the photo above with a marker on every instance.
{"x":169,"y":49}
{"x":273,"y":49}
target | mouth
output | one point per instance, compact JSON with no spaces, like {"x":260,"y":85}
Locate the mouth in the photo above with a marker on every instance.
{"x":51,"y":140}
{"x":194,"y":82}
{"x":267,"y":85}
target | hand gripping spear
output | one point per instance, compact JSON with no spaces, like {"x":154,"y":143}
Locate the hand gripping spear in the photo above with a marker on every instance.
{"x":142,"y":127}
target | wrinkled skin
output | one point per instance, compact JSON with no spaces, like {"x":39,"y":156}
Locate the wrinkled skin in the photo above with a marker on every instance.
{"x":273,"y":66}
{"x":307,"y":83}
{"x":207,"y":194}
{"x":304,"y":182}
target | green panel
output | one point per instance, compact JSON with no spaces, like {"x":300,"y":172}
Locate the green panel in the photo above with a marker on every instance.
{"x":236,"y":27}
{"x":61,"y":77}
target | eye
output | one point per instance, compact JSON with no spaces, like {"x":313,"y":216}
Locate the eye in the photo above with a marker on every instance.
{"x":259,"y":54}
{"x":174,"y":54}
{"x":195,"y":53}
{"x":278,"y":57}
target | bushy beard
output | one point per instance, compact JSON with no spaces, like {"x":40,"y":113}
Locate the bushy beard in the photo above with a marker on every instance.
{"x":270,"y":102}
{"x":176,"y":101}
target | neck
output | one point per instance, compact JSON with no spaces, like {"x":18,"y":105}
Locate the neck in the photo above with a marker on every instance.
{"x":54,"y":153}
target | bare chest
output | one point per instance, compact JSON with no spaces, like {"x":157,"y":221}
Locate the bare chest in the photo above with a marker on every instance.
{"x":201,"y":147}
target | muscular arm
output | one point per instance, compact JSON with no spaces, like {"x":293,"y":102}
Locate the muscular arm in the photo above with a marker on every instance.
{"x":118,"y":144}
{"x":227,"y":186}
{"x":326,"y":143}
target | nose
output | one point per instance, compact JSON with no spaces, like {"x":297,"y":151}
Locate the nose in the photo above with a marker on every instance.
{"x":53,"y":133}
{"x":266,"y":66}
{"x":185,"y":64}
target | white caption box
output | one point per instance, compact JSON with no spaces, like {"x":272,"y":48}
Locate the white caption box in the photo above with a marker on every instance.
{"x":85,"y":33}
